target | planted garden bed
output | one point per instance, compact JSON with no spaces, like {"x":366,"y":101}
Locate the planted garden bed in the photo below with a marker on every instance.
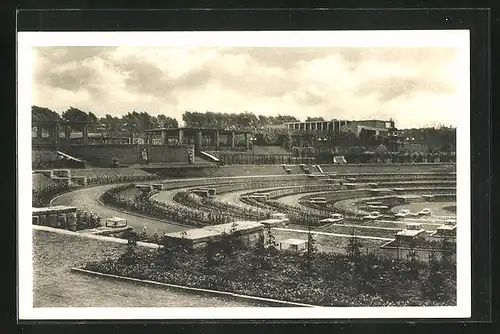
{"x":324,"y":279}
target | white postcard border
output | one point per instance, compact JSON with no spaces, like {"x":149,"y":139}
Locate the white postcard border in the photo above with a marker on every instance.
{"x":431,"y":38}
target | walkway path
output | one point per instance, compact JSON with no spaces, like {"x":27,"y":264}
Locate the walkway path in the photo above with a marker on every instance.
{"x":87,"y":199}
{"x":294,"y":198}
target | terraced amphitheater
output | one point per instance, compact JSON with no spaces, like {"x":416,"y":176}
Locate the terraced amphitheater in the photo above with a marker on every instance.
{"x":309,"y":196}
{"x":254,"y":193}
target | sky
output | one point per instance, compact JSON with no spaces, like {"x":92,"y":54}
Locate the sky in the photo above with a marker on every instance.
{"x":415,"y":86}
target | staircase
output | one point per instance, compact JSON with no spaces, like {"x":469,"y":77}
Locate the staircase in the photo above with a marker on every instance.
{"x":64,"y":176}
{"x":70,"y":161}
{"x":208,"y":157}
{"x":318,"y":167}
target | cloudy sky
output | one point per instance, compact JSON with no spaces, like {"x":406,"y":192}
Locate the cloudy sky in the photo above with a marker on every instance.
{"x":414,"y":86}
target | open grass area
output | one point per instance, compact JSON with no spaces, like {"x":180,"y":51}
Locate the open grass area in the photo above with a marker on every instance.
{"x":54,"y":285}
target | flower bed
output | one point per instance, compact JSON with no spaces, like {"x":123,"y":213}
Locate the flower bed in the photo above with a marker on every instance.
{"x":319,"y":279}
{"x":44,"y":194}
{"x":117,"y":178}
{"x":201,"y":203}
{"x":160,"y":210}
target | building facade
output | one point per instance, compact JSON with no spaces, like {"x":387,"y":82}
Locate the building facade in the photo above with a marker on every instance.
{"x":337,"y":126}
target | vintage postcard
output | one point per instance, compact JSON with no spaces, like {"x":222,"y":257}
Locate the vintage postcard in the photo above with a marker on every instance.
{"x":244,"y":175}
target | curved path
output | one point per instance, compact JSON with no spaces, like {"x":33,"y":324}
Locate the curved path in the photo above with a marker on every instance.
{"x":294,"y":198}
{"x":87,"y":199}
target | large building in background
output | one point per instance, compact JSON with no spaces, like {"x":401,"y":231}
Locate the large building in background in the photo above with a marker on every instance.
{"x":336,"y":126}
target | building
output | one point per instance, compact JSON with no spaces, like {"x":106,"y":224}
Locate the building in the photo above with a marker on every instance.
{"x":248,"y":233}
{"x":337,"y":126}
{"x":201,"y":138}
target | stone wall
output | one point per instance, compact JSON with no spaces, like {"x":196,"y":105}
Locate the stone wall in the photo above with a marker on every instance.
{"x":103,"y":155}
{"x":43,"y":157}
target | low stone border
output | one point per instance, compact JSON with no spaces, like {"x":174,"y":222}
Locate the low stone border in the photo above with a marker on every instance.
{"x":333,"y":234}
{"x":182,"y":287}
{"x":93,"y":236}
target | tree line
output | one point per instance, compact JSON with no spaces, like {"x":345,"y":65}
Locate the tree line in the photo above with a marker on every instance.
{"x":225,"y":120}
{"x":136,"y":122}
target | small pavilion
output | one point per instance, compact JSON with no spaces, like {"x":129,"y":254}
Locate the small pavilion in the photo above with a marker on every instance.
{"x":54,"y":130}
{"x":201,"y":138}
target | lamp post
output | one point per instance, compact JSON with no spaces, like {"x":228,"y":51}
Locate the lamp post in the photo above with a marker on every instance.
{"x":252,"y":140}
{"x":410,"y":140}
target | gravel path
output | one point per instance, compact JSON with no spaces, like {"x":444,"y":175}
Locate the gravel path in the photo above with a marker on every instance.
{"x":86,"y":199}
{"x":294,"y":199}
{"x":54,"y":285}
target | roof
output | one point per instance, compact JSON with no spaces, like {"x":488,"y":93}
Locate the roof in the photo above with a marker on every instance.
{"x":410,"y":233}
{"x":115,"y":219}
{"x":54,"y":209}
{"x":194,"y":234}
{"x":293,"y":241}
{"x":272,"y":221}
{"x":200,"y":234}
{"x":238,"y":226}
{"x":196,"y":129}
{"x":447,"y":227}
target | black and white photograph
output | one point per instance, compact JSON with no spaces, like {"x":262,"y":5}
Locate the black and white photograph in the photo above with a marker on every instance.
{"x":244,"y":175}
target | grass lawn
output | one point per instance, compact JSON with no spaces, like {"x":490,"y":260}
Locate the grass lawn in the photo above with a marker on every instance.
{"x":54,"y":285}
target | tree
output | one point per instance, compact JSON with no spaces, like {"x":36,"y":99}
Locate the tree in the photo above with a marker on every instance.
{"x":92,"y":117}
{"x":163,"y":121}
{"x":93,"y":126}
{"x":446,"y":252}
{"x":78,"y":117}
{"x":111,"y":125}
{"x":381,"y":151}
{"x":39,"y":114}
{"x":315,"y":119}
{"x":271,"y":243}
{"x":413,"y":257}
{"x":353,"y":248}
{"x":311,"y":247}
{"x":432,"y":287}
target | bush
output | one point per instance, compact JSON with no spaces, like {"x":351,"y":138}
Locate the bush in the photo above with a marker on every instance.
{"x":45,"y":193}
